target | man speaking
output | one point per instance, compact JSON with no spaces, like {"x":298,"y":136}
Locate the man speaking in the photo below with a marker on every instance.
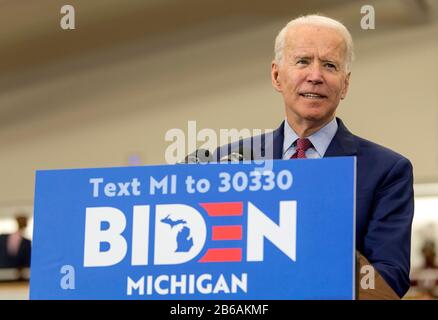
{"x":311,"y":70}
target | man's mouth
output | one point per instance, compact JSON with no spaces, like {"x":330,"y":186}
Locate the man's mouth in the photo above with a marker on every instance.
{"x":312,"y":95}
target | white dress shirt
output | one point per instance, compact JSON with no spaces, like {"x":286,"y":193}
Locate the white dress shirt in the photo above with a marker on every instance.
{"x":320,"y":140}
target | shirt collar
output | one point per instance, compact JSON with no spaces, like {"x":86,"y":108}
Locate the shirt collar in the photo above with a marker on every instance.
{"x":320,"y":139}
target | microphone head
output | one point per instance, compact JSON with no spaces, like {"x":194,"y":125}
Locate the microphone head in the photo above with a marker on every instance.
{"x":199,"y":156}
{"x":235,"y":156}
{"x":242,"y":155}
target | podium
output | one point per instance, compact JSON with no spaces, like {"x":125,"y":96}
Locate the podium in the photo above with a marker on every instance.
{"x":273,"y":230}
{"x":381,"y":290}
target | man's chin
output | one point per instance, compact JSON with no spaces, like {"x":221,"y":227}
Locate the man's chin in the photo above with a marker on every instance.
{"x":315,"y":113}
{"x":315,"y":117}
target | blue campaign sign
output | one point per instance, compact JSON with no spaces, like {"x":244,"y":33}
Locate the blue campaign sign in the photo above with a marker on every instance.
{"x":276,"y":230}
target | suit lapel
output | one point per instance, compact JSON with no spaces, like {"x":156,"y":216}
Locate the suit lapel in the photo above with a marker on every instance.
{"x":272,"y":142}
{"x":278,"y":142}
{"x":343,"y":143}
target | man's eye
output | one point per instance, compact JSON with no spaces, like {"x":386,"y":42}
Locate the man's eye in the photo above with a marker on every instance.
{"x":330,"y":66}
{"x":302,"y":61}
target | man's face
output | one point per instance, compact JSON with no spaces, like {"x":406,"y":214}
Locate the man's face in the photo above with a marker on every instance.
{"x":311,"y":77}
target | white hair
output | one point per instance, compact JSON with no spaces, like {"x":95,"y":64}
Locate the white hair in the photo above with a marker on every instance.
{"x":315,"y":20}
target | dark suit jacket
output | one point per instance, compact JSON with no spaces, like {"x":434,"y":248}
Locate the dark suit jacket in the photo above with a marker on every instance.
{"x":384,"y":198}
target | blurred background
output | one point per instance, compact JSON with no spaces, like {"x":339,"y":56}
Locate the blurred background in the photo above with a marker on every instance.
{"x":106,"y":93}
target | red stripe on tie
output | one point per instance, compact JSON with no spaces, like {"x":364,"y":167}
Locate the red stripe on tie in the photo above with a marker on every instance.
{"x":227,"y":233}
{"x":222,"y":255}
{"x":216,"y":209}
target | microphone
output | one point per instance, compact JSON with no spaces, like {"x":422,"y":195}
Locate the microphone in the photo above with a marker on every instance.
{"x":242,"y":155}
{"x":199,"y":156}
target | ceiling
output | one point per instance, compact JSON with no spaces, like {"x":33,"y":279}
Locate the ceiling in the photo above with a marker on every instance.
{"x":30,"y":34}
{"x":32,"y":44}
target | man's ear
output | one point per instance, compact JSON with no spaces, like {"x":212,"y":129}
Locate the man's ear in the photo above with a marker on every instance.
{"x":275,"y":76}
{"x":346,"y":86}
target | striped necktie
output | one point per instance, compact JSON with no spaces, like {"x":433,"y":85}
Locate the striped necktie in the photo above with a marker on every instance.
{"x":302,"y":145}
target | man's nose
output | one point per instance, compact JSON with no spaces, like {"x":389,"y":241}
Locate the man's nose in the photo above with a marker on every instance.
{"x":315,"y":74}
